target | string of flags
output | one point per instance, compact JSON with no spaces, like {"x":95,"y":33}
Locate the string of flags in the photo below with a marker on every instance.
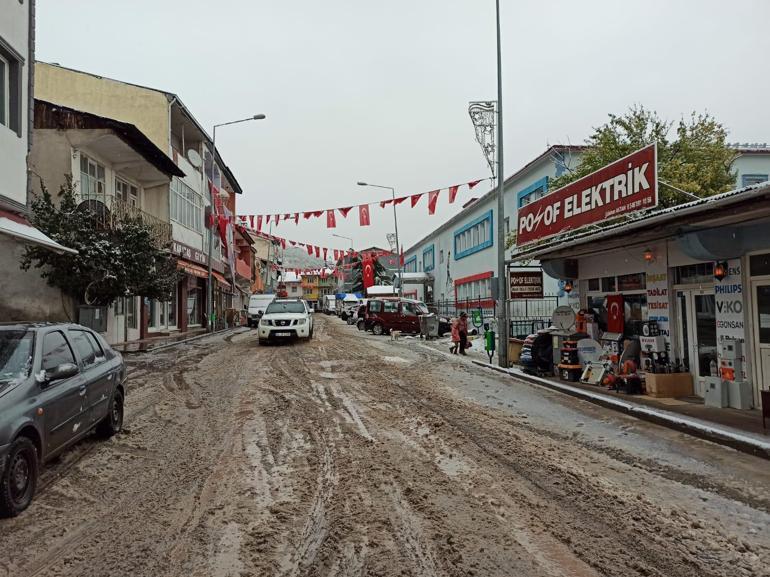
{"x":258,"y":221}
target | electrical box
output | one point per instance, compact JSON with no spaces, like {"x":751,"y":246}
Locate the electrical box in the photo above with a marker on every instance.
{"x":611,"y":343}
{"x":732,"y":349}
{"x":95,"y":318}
{"x":715,"y":392}
{"x":739,"y":395}
{"x":731,"y":360}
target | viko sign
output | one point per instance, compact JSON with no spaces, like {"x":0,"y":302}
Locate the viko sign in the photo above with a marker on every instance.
{"x":627,"y":185}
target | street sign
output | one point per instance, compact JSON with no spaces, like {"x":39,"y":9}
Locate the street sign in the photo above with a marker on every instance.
{"x":627,"y":185}
{"x":525,"y":284}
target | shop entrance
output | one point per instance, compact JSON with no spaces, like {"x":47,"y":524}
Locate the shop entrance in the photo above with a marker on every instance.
{"x":697,"y":333}
{"x":761,"y":297}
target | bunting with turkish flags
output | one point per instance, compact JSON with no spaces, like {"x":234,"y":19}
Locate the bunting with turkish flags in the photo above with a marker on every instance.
{"x":432,"y":200}
{"x":331,"y":220}
{"x":453,"y":193}
{"x":415,"y":198}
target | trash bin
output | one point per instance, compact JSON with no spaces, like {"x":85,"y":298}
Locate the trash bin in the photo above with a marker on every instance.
{"x":514,"y":350}
{"x":429,"y":326}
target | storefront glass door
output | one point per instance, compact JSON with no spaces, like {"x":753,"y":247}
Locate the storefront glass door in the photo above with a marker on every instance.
{"x":697,"y":332}
{"x":762,"y":330}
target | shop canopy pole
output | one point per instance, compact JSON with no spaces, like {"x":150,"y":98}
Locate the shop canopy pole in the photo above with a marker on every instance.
{"x":502,"y":323}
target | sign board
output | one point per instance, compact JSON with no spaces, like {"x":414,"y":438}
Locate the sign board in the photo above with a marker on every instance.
{"x":563,"y":318}
{"x":525,"y":284}
{"x":627,"y":185}
{"x":188,"y":252}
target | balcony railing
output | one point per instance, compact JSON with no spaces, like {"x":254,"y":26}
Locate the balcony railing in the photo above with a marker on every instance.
{"x":111,"y":211}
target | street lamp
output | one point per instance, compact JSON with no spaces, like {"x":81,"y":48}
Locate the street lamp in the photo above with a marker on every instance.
{"x":210,"y":287}
{"x":346,"y":238}
{"x":395,"y":224}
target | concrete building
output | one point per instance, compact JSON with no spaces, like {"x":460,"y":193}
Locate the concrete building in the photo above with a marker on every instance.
{"x":167,"y":122}
{"x":115,"y":170}
{"x":23,"y":295}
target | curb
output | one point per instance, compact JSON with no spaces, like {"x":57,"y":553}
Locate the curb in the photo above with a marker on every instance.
{"x":175,"y":343}
{"x":695,"y":427}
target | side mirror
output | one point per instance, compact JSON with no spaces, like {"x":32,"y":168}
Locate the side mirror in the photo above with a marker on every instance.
{"x":63,"y":371}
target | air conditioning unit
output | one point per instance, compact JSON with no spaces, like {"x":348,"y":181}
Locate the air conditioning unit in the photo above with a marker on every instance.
{"x":715,"y":392}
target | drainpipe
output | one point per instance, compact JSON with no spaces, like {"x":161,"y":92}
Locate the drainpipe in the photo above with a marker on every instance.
{"x":30,"y":90}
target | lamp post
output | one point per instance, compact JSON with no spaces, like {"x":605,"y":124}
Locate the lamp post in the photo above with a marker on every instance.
{"x":395,"y":225}
{"x":210,"y":286}
{"x":346,"y":238}
{"x":502,"y":284}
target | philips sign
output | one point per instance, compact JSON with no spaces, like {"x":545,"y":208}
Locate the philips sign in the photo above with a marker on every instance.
{"x":627,"y":185}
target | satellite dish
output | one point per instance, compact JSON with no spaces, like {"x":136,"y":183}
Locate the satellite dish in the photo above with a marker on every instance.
{"x":194,"y":158}
{"x":563,"y":318}
{"x":589,"y":351}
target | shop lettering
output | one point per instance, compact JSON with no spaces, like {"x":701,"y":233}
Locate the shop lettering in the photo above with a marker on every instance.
{"x":657,"y":292}
{"x":728,"y":289}
{"x":656,"y":305}
{"x":730,"y":325}
{"x":730,"y":307}
{"x":657,"y":278}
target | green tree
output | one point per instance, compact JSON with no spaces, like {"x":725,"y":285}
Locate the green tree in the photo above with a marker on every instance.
{"x":696,"y":158}
{"x":114,"y":259}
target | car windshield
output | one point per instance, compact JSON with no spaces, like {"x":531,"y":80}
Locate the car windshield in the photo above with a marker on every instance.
{"x":422,"y":308}
{"x":15,"y":355}
{"x":286,"y":307}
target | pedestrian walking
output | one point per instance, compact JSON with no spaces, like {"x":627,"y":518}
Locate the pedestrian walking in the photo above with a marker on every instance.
{"x":462,"y":329}
{"x":455,"y":336}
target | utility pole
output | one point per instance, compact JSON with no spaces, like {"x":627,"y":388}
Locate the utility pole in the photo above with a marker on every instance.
{"x":502,"y":284}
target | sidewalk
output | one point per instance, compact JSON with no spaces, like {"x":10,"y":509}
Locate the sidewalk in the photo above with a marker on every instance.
{"x":152,"y":343}
{"x":741,"y":430}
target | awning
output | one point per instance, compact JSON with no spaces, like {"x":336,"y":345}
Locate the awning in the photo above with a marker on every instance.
{"x":222,"y":280}
{"x":192,"y":269}
{"x":18,"y":227}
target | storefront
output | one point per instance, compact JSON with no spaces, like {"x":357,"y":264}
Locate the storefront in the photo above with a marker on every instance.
{"x":696,"y":276}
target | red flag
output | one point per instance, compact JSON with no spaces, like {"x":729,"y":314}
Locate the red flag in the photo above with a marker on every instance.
{"x":283,"y":243}
{"x":318,"y":213}
{"x":473,"y":183}
{"x":363,"y":215}
{"x":402,"y":256}
{"x":307,"y":215}
{"x":267,"y":219}
{"x":296,"y":218}
{"x":325,"y":251}
{"x":368,"y":272}
{"x":251,"y":221}
{"x":309,"y":249}
{"x":384,"y":203}
{"x":345,"y":211}
{"x":453,"y":193}
{"x":432,"y":200}
{"x":399,"y":200}
{"x":317,"y":251}
{"x":415,"y":198}
{"x":259,"y":222}
{"x":336,"y":255}
{"x":331,"y":220}
{"x":287,"y":217}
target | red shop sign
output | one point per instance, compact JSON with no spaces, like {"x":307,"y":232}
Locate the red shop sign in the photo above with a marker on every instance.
{"x":627,"y":185}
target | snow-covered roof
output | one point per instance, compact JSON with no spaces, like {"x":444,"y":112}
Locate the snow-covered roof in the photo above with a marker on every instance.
{"x":291,"y":276}
{"x":380,"y":290}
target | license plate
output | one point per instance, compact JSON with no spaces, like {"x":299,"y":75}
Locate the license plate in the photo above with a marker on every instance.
{"x":283,"y":334}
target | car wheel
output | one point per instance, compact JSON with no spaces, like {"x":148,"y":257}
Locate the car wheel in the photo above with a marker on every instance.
{"x":19,"y":480}
{"x":263,"y":342}
{"x":112,"y":424}
{"x":360,"y":325}
{"x":378,"y":329}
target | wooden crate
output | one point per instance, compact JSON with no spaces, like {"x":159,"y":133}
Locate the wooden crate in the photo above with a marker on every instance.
{"x":668,"y":384}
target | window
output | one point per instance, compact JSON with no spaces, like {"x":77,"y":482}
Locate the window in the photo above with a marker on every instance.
{"x":390,"y":307}
{"x":130,"y":308}
{"x":474,"y":287}
{"x":749,"y":179}
{"x":441,"y":256}
{"x":10,"y":88}
{"x":759,"y":264}
{"x":409,"y":309}
{"x":701,"y":273}
{"x":186,"y":205}
{"x":84,"y":347}
{"x":126,"y":192}
{"x":532,"y":192}
{"x":474,"y":236}
{"x":428,"y":259}
{"x":608,"y":284}
{"x":375,"y":306}
{"x":410,"y":265}
{"x":92,"y":183}
{"x":96,"y":345}
{"x":56,"y":351}
{"x":593,"y":284}
{"x":507,"y":225}
{"x":632,"y":282}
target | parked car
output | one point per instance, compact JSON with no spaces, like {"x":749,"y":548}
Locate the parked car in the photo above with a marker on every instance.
{"x":286,"y":319}
{"x":257,"y":305}
{"x":389,"y":314}
{"x":58,"y":382}
{"x":330,"y":304}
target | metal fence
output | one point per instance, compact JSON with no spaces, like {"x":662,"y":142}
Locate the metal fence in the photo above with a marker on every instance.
{"x":525,"y":316}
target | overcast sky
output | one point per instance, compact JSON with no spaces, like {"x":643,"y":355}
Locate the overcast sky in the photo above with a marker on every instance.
{"x":379,"y":90}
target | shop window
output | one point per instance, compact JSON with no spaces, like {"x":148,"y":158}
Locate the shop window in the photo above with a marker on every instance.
{"x":631,"y":282}
{"x":609,"y":285}
{"x":759,"y":264}
{"x":593,"y":284}
{"x":701,"y":273}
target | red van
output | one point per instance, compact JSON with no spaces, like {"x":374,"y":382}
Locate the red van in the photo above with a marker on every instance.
{"x":394,"y":314}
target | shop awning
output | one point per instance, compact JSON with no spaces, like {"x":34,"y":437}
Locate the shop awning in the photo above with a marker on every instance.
{"x":19,"y":228}
{"x":192,"y":269}
{"x":220,"y":278}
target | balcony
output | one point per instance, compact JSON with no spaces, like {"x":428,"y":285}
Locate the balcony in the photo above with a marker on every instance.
{"x":110,"y":211}
{"x":243,"y":268}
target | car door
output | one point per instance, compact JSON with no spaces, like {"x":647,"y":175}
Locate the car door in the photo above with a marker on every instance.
{"x":97,"y":373}
{"x":64,"y":401}
{"x":391,"y":315}
{"x":410,"y":322}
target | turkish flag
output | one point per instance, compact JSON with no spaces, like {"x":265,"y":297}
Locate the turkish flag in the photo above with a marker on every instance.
{"x":399,"y":200}
{"x":296,"y":218}
{"x":432,"y":200}
{"x":307,"y":215}
{"x":309,"y":249}
{"x":345,"y":211}
{"x":293,"y":242}
{"x":453,"y":193}
{"x":283,"y":243}
{"x":325,"y":251}
{"x":415,"y":198}
{"x":363,"y":215}
{"x":259,"y":222}
{"x":473,"y":183}
{"x":384,"y":203}
{"x":331,"y":220}
{"x":267,"y":219}
{"x":318,"y":213}
{"x":277,"y":219}
{"x":615,"y":314}
{"x":368,"y":272}
{"x":317,"y":251}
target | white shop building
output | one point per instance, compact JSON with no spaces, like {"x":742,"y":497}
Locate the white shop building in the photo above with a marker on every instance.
{"x":700,"y":270}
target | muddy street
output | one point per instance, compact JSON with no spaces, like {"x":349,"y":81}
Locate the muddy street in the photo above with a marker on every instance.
{"x":354,"y":455}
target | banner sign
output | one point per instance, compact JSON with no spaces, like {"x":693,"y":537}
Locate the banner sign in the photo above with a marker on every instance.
{"x":525,"y":284}
{"x":627,"y":185}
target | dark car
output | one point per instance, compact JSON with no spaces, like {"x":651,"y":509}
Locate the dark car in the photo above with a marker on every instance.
{"x":394,"y":314}
{"x":58,"y":382}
